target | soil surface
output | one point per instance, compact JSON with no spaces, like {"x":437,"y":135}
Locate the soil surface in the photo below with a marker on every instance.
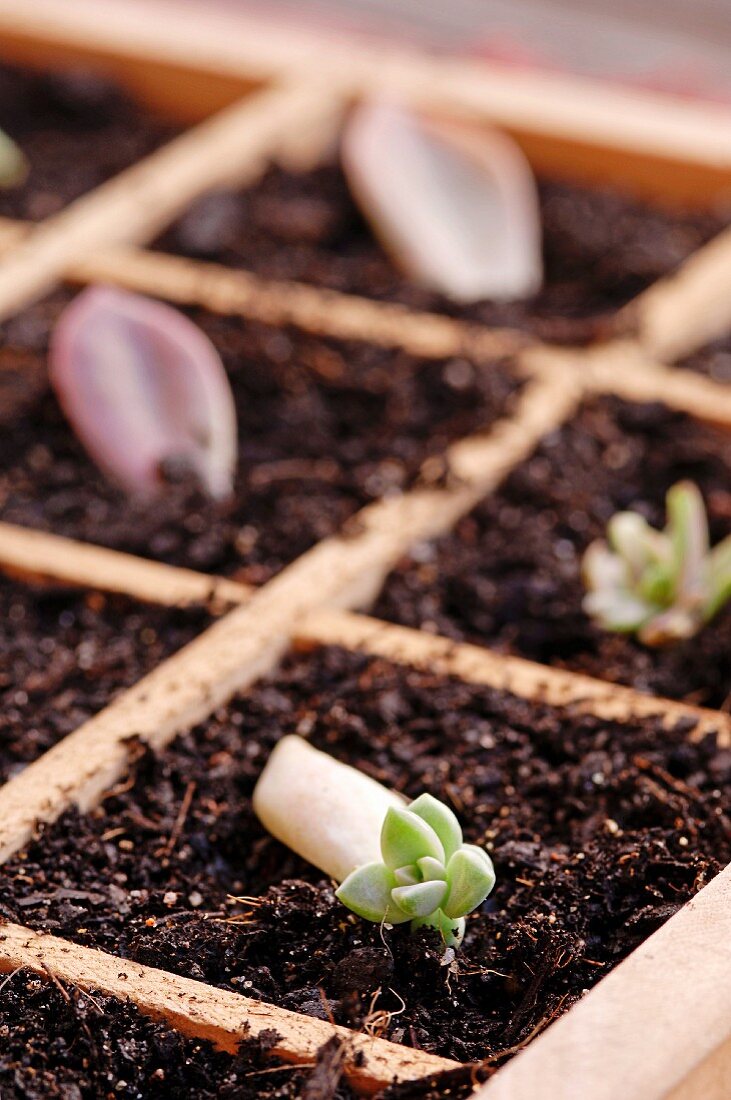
{"x":713,"y":360}
{"x":600,"y":247}
{"x":76,"y":129}
{"x":325,"y":427}
{"x":509,"y":573}
{"x":64,"y":655}
{"x":60,"y":1043}
{"x":599,"y":832}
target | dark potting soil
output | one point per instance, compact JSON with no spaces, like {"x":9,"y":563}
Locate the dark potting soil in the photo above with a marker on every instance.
{"x":509,"y":574}
{"x":60,"y":1043}
{"x":64,"y":655}
{"x":600,"y":247}
{"x":76,"y":129}
{"x":325,"y":427}
{"x":599,"y":832}
{"x":713,"y":360}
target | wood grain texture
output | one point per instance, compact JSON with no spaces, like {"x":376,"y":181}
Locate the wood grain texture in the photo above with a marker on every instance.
{"x":217,"y":1015}
{"x":655,"y":1028}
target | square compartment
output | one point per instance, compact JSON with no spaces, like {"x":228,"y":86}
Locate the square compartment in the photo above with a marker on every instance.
{"x":599,"y":831}
{"x":509,"y":574}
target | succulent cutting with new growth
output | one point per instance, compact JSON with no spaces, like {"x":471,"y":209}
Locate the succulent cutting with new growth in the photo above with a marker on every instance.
{"x":342,"y":820}
{"x":662,"y":585}
{"x":428,"y":875}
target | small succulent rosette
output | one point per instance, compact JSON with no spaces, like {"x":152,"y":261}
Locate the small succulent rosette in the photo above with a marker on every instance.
{"x":663,"y":586}
{"x":428,"y":876}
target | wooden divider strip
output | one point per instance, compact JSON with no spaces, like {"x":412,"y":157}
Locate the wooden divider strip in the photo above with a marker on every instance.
{"x":679,"y":314}
{"x":38,"y":555}
{"x":274,"y":302}
{"x":479,"y":665}
{"x":651,"y":1028}
{"x":634,"y":124}
{"x":205,"y":1012}
{"x":342,"y":571}
{"x":130,"y":208}
{"x":622,"y":368}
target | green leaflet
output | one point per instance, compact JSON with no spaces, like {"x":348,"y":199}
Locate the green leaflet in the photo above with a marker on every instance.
{"x":660,"y":585}
{"x":428,"y":875}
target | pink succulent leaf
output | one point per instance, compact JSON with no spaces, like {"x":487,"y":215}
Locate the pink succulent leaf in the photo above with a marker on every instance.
{"x":143,"y":386}
{"x":455,"y":205}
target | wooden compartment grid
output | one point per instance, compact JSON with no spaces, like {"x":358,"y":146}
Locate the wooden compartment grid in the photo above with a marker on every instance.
{"x":657,"y":1027}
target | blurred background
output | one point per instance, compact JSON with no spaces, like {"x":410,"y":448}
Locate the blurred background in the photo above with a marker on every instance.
{"x":679,"y":46}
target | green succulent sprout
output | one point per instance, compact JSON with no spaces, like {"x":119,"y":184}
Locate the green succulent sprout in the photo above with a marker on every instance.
{"x":662,"y":586}
{"x":13,"y":164}
{"x":428,"y":875}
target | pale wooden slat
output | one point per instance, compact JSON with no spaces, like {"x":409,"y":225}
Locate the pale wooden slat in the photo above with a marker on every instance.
{"x":663,"y":143}
{"x":624,"y":369}
{"x":204,"y":1012}
{"x":130,"y":208}
{"x":478,"y":665}
{"x":656,"y":1028}
{"x":40,"y":555}
{"x":681,"y":313}
{"x":36,"y":554}
{"x":246,"y":643}
{"x":275,"y":302}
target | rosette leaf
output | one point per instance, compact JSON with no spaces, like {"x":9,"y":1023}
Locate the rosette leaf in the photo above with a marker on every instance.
{"x":662,"y":586}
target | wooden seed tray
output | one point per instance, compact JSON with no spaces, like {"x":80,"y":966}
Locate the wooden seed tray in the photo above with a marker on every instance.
{"x":660,"y":1025}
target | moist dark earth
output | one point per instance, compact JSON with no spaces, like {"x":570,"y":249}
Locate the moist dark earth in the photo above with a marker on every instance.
{"x":509,"y":574}
{"x":76,"y":130}
{"x":58,"y":1042}
{"x":601,"y":247}
{"x":325,"y":427}
{"x":64,"y":655}
{"x":599,"y":832}
{"x":713,"y":360}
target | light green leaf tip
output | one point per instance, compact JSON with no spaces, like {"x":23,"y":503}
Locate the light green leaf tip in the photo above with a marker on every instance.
{"x":367,"y":891}
{"x":662,"y":586}
{"x":442,"y":820}
{"x":470,"y":877}
{"x":406,"y":838}
{"x":431,"y":868}
{"x":420,"y":900}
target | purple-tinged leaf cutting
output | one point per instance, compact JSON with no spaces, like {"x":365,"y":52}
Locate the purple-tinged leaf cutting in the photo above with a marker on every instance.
{"x":143,"y":387}
{"x":455,"y":205}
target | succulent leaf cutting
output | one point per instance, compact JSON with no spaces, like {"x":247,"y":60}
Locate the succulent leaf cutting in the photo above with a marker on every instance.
{"x":662,"y":586}
{"x":456,"y":206}
{"x":428,"y":875}
{"x":142,"y":387}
